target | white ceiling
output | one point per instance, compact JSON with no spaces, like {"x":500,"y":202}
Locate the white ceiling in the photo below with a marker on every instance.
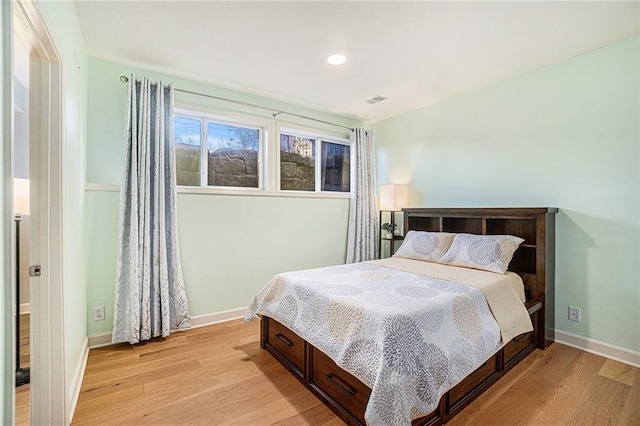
{"x":414,"y":53}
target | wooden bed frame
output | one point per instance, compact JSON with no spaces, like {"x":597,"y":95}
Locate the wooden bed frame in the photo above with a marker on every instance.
{"x":533,"y":261}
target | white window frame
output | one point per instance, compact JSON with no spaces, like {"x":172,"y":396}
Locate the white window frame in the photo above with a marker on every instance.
{"x":319,"y":138}
{"x":237,"y":121}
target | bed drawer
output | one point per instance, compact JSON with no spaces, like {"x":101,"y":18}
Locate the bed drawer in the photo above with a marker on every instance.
{"x":466,"y":387}
{"x":518,"y":345}
{"x":343,"y":388}
{"x":287,"y":343}
{"x":428,"y":420}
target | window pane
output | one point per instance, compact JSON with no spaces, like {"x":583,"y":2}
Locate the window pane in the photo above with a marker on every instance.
{"x":297,"y":163}
{"x":187,"y":143}
{"x":233,"y":155}
{"x":335,"y":172}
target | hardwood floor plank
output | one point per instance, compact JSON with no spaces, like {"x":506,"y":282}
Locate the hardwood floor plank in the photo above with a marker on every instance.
{"x":603,"y":404}
{"x":23,"y":393}
{"x":618,"y":371}
{"x":107,"y":352}
{"x":131,"y":376}
{"x":234,"y":330}
{"x":22,"y":405}
{"x":201,"y":349}
{"x":25,"y":347}
{"x":316,"y":415}
{"x":278,"y":411}
{"x":219,"y":375}
{"x":130,"y":363}
{"x":519,"y":405}
{"x":630,"y":414}
{"x":88,"y":408}
{"x":239,"y":352}
{"x":210,"y":378}
{"x":249,"y":339}
{"x":218,"y":406}
{"x":336,"y":421}
{"x":488,"y":398}
{"x":143,"y":410}
{"x":557,"y":359}
{"x":112,"y":363}
{"x":246,"y":396}
{"x":573,"y":384}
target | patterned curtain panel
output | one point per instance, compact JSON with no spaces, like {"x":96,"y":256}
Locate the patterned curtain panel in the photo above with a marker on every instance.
{"x":362,"y":240}
{"x":150,"y":293}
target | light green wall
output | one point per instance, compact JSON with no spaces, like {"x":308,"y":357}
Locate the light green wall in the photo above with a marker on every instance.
{"x":6,"y":317}
{"x":107,"y":103}
{"x":62,"y":22}
{"x":565,"y":136}
{"x":231,"y":245}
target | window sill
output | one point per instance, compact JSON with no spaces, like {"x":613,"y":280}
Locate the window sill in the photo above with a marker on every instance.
{"x":242,"y":192}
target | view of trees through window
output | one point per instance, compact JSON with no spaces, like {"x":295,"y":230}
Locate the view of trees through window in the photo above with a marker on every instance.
{"x":212,"y":152}
{"x":231,"y":157}
{"x":298,"y":164}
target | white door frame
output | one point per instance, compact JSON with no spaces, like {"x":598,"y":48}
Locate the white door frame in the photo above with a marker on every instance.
{"x":48,"y":390}
{"x":8,"y":322}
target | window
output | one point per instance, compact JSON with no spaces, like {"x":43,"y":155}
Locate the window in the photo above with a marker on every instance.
{"x":187,"y":142}
{"x":314,"y":163}
{"x":232,"y":154}
{"x":297,"y":163}
{"x":230,"y":157}
{"x":235,"y":155}
{"x":336,"y":167}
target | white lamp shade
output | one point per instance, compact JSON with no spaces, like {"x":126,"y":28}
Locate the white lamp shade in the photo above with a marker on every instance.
{"x":393,"y":197}
{"x":21,"y":196}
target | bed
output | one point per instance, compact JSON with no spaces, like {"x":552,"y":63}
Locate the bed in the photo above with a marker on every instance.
{"x":406,"y":341}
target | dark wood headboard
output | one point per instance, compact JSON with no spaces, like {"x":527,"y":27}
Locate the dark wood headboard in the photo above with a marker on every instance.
{"x":534,"y":260}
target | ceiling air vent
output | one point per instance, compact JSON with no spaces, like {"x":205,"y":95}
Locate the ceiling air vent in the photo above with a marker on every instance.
{"x":376,"y":100}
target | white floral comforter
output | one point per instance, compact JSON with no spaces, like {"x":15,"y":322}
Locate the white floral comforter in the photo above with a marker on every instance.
{"x":409,"y":337}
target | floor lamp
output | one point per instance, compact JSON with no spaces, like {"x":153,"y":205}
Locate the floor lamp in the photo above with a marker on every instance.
{"x":20,"y":207}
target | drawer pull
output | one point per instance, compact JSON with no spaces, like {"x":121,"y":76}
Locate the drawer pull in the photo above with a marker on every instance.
{"x":284,"y":339}
{"x":341,"y":385}
{"x":521,"y":337}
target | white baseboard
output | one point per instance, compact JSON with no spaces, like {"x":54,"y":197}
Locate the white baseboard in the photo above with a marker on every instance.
{"x":101,"y":340}
{"x":25,"y":308}
{"x":218,"y":317}
{"x":76,"y":382}
{"x":597,"y":347}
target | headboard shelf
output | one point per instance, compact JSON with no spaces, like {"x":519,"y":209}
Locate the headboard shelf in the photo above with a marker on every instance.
{"x":524,"y":260}
{"x":534,"y":260}
{"x":523,"y":227}
{"x":458,"y":225}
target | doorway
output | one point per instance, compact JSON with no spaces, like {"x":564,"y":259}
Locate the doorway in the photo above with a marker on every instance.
{"x":21,"y":211}
{"x":47,"y":392}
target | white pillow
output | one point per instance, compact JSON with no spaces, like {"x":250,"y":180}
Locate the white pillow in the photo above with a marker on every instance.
{"x":427,"y":246}
{"x":487,"y":252}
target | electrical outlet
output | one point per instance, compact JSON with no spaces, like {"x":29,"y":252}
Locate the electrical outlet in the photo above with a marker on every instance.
{"x":575,"y":314}
{"x":98,"y":313}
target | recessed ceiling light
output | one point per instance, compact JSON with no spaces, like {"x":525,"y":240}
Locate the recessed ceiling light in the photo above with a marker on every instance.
{"x":337,"y":59}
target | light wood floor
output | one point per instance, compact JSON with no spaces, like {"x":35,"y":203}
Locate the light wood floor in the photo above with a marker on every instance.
{"x":23,"y":402}
{"x":219,"y":375}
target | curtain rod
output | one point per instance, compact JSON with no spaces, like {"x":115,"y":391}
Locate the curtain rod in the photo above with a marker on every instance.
{"x":276,"y":112}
